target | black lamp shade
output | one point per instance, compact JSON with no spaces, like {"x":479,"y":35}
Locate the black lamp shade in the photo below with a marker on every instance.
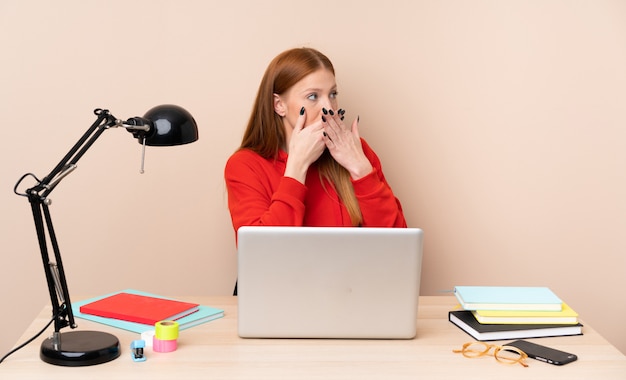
{"x":171,"y":125}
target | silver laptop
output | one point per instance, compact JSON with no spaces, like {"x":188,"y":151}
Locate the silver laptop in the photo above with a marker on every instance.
{"x":328,"y":282}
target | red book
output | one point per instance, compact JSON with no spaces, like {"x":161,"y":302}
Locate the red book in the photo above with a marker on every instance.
{"x":139,"y":309}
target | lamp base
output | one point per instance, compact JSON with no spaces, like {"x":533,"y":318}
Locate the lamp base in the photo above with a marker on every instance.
{"x":80,"y":348}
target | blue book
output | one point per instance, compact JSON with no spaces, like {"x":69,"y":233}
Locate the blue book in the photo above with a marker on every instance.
{"x":203,"y":315}
{"x":507,"y":298}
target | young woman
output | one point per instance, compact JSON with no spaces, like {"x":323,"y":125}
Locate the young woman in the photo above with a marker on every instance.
{"x":298,"y":163}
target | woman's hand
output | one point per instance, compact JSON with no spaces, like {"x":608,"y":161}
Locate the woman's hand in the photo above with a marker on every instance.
{"x":344,"y":144}
{"x":306,"y":145}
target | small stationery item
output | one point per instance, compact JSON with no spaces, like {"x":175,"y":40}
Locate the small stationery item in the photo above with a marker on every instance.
{"x":464,"y":319}
{"x":566,"y":316}
{"x":139,"y":308}
{"x":148,"y":337}
{"x":165,"y":336}
{"x":159,"y":345}
{"x":166,"y":330}
{"x":507,"y":298}
{"x":136,"y":350}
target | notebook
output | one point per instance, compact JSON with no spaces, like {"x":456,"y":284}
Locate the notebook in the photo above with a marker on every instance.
{"x":328,"y":282}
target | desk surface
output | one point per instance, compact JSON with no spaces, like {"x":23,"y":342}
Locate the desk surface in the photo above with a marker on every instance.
{"x":213,"y":350}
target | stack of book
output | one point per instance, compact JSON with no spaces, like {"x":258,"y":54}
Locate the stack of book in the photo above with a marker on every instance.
{"x":138,"y":311}
{"x":506,"y":312}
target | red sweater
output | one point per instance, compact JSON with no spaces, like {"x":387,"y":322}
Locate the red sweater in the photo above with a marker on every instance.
{"x":260,"y":194}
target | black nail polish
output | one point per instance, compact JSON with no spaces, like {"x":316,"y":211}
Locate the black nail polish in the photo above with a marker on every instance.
{"x":323,"y":119}
{"x":343,"y":117}
{"x":324,"y":133}
{"x":331,"y":112}
{"x":302,"y":111}
{"x":324,"y":111}
{"x":342,"y":112}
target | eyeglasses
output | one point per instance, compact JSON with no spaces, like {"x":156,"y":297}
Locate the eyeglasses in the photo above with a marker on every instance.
{"x":503,"y":354}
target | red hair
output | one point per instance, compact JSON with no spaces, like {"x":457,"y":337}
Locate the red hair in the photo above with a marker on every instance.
{"x":265,"y":133}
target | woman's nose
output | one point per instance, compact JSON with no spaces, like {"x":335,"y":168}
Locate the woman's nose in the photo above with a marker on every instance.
{"x":329,"y":104}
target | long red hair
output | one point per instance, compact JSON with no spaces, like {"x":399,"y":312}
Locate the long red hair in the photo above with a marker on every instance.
{"x":265,"y":133}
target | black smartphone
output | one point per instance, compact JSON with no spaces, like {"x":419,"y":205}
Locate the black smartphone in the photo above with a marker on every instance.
{"x":543,"y":353}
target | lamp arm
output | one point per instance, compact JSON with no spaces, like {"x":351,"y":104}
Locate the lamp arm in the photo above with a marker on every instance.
{"x":55,"y":275}
{"x":38,"y":198}
{"x":78,"y":150}
{"x":104,"y":121}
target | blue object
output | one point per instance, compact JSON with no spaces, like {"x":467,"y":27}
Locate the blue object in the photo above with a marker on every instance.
{"x":136,"y":350}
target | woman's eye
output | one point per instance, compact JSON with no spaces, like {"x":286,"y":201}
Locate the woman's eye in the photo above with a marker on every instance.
{"x":312,"y":97}
{"x":333,"y":95}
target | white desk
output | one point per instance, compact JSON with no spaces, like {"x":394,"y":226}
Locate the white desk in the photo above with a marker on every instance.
{"x":214,"y":351}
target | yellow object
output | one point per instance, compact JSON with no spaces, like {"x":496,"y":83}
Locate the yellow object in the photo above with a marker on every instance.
{"x":567,"y":316}
{"x":166,"y":330}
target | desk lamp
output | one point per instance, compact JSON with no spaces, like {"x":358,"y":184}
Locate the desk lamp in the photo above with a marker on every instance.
{"x":163,"y":125}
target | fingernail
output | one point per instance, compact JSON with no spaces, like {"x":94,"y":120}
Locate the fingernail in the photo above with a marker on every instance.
{"x":323,"y":119}
{"x":343,"y":117}
{"x":342,"y":112}
{"x":331,"y":112}
{"x":324,"y":111}
{"x":324,"y":133}
{"x":358,"y":118}
{"x":302,"y":111}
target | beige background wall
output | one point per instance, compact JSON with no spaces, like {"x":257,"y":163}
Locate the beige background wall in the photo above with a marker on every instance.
{"x":500,"y":124}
